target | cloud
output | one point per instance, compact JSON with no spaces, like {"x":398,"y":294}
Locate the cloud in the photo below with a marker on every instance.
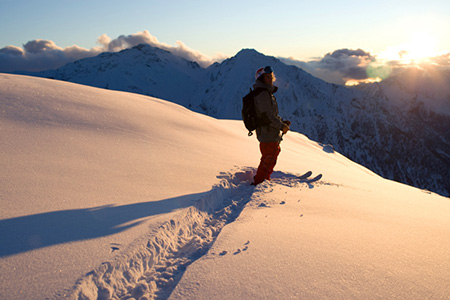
{"x":39,"y":46}
{"x":351,"y":63}
{"x":38,"y":55}
{"x":338,"y":66}
{"x":347,"y":66}
{"x":442,"y":60}
{"x":181,"y":50}
{"x":11,"y":50}
{"x":189,"y":54}
{"x":128,"y":41}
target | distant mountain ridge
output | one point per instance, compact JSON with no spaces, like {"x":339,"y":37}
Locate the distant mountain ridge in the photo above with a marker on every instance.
{"x":407,"y":145}
{"x":416,"y":86}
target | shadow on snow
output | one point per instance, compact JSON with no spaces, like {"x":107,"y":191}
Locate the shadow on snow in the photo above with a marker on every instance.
{"x":26,"y":233}
{"x":31,"y":232}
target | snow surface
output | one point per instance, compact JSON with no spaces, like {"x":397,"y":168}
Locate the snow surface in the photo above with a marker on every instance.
{"x":113,"y":195}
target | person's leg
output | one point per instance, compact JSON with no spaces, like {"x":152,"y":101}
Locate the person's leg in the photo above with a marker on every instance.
{"x":269,"y":155}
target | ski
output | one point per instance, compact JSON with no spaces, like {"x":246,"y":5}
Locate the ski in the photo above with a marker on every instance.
{"x":306,"y":180}
{"x":305,"y":176}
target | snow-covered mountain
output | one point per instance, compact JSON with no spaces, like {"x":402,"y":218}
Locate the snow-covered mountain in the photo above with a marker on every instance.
{"x":143,"y":69}
{"x":115,"y":195}
{"x":393,"y":140}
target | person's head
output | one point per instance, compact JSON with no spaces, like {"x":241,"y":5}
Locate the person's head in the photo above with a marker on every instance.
{"x":265,"y":75}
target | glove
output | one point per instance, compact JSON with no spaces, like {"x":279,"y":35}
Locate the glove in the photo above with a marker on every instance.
{"x":285,"y":128}
{"x":287,"y":122}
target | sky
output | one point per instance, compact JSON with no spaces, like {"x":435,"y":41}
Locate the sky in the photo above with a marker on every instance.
{"x":303,"y":31}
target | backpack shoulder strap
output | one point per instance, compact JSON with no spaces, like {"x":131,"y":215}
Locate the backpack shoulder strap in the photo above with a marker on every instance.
{"x":258,"y":91}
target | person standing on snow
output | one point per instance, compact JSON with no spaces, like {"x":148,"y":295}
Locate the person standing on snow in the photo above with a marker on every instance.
{"x":270,"y":135}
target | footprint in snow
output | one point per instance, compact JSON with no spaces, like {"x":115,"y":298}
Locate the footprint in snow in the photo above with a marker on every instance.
{"x":114,"y":247}
{"x":243,"y":249}
{"x":224,"y":252}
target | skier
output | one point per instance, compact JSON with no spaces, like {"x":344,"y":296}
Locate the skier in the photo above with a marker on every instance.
{"x":269,"y":136}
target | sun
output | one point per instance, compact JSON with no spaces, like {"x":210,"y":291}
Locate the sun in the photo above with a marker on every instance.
{"x":422,"y":46}
{"x":419,"y":48}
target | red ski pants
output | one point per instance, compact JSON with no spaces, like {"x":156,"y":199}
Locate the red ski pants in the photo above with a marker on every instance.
{"x":269,"y":155}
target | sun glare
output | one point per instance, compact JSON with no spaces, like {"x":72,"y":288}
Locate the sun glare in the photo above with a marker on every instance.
{"x":353,"y":82}
{"x":419,"y":48}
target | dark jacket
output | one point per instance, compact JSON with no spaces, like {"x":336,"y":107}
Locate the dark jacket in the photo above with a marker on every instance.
{"x":267,"y":109}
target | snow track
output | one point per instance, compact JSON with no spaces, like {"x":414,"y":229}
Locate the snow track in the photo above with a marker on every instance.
{"x":151,"y":269}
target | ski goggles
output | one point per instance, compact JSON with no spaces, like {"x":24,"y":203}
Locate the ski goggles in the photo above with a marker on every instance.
{"x":265,"y":70}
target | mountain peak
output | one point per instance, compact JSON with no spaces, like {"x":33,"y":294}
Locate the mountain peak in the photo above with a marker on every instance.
{"x":248,"y":51}
{"x":147,"y":48}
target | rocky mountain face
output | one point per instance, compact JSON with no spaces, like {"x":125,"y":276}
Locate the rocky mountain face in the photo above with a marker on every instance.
{"x":409,"y":143}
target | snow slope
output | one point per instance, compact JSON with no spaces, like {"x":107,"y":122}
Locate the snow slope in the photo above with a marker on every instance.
{"x":374,"y":241}
{"x":82,"y":169}
{"x":112,"y":195}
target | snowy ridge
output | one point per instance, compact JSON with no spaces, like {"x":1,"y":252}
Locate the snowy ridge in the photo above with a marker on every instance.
{"x":152,"y":269}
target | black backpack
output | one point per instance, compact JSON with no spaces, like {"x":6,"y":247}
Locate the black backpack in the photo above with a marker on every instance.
{"x":251,"y":121}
